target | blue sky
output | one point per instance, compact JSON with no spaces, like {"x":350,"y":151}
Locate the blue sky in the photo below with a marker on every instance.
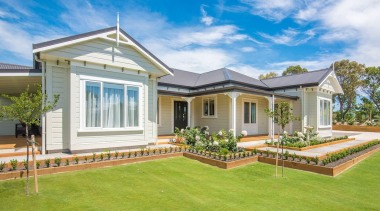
{"x":248,"y":36}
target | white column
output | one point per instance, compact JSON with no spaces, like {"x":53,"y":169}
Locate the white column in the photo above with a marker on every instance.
{"x":188,"y":100}
{"x":291,"y":123}
{"x":43,"y":123}
{"x":271,"y":119}
{"x":233,"y":96}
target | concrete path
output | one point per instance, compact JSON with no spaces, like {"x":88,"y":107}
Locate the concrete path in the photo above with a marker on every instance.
{"x":360,"y":137}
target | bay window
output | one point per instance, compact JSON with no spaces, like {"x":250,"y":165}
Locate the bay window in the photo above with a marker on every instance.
{"x":324,"y":112}
{"x":110,"y":105}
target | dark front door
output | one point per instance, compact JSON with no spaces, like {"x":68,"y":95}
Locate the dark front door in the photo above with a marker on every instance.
{"x":180,"y":114}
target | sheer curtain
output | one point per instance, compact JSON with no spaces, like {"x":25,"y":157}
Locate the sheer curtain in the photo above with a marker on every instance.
{"x":113,"y":105}
{"x":133,"y":106}
{"x":92,"y":104}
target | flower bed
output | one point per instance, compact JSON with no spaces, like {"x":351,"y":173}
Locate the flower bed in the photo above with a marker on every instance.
{"x":316,"y":144}
{"x":333,"y":165}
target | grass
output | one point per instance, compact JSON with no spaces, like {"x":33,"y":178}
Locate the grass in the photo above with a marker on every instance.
{"x":181,"y":183}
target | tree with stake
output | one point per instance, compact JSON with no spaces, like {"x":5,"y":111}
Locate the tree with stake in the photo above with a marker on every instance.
{"x":283,"y":115}
{"x":28,"y":108}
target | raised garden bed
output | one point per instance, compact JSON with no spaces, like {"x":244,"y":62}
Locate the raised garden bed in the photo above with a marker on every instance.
{"x":316,"y":166}
{"x":315,"y":146}
{"x":230,"y":161}
{"x":357,"y":128}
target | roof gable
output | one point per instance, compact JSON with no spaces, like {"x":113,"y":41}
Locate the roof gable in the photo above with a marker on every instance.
{"x":107,"y":34}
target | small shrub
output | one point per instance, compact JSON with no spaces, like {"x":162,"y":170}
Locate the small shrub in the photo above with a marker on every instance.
{"x":294,"y":156}
{"x":76,"y":159}
{"x":109,"y":155}
{"x":93,"y":157}
{"x":142,"y":152}
{"x":170,"y":149}
{"x":135,"y":153}
{"x":2,"y":166}
{"x":308,"y":160}
{"x":129,"y":154}
{"x":116,"y":154}
{"x":255,"y":151}
{"x":301,"y":158}
{"x":166,"y":150}
{"x":225,"y":157}
{"x":47,"y":163}
{"x":154,"y":151}
{"x":14,"y":164}
{"x":268,"y":152}
{"x":38,"y":164}
{"x":101,"y":156}
{"x":122,"y":154}
{"x":316,"y":160}
{"x":57,"y":161}
{"x":286,"y":155}
{"x":67,"y":162}
{"x":25,"y":164}
{"x":85,"y":159}
{"x":159,"y":150}
{"x":148,"y":152}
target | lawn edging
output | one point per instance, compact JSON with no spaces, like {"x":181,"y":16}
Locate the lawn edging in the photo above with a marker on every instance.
{"x":220,"y":163}
{"x":329,"y":171}
{"x":356,"y":128}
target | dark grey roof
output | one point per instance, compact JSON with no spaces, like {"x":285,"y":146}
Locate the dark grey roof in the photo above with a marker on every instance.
{"x":304,"y":79}
{"x":88,"y":34}
{"x":193,"y":80}
{"x":6,"y":66}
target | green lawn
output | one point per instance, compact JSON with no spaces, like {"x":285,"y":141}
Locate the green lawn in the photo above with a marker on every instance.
{"x":181,"y":183}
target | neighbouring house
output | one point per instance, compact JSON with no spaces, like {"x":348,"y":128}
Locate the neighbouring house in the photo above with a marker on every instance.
{"x":114,"y":94}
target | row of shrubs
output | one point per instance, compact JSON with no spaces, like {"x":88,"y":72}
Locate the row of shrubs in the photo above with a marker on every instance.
{"x":288,"y":156}
{"x":340,"y":155}
{"x":313,"y":141}
{"x":222,"y":156}
{"x":102,"y":156}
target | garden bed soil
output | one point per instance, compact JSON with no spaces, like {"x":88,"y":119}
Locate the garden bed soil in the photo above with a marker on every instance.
{"x":220,"y":163}
{"x":315,"y":146}
{"x":357,"y":128}
{"x":331,"y":169}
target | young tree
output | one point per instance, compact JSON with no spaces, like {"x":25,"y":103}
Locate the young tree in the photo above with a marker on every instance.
{"x":371,"y":85}
{"x":349,"y":76}
{"x":28,"y":108}
{"x":267,"y":75}
{"x":283,"y":115}
{"x":291,"y":70}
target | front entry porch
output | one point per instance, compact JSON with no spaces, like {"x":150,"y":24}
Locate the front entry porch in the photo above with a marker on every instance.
{"x":12,"y":146}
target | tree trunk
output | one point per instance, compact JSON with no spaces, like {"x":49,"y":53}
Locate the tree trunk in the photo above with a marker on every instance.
{"x":27,"y":159}
{"x":282,"y":151}
{"x":34,"y":164}
{"x":278,"y":146}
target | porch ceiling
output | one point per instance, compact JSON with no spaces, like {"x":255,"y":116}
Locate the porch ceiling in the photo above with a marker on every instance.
{"x":13,"y":85}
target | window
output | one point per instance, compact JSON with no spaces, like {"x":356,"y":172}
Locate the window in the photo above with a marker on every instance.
{"x":249,"y":113}
{"x":209,"y":108}
{"x":111,"y":105}
{"x":324,"y":112}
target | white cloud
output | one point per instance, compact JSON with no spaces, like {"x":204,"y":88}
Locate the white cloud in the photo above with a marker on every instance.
{"x":274,"y":10}
{"x":207,"y":20}
{"x":247,"y":49}
{"x":290,"y":37}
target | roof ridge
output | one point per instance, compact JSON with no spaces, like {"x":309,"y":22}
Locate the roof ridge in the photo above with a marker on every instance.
{"x":283,"y":76}
{"x":227,"y":75}
{"x":185,"y":71}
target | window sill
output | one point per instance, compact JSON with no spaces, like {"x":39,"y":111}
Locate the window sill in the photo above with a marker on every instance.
{"x":324,"y":126}
{"x":209,"y":117}
{"x":111,"y":129}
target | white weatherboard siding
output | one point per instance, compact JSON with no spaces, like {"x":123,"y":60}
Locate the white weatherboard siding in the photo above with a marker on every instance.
{"x":57,"y":133}
{"x":84,"y":140}
{"x":103,"y":52}
{"x":7,"y":127}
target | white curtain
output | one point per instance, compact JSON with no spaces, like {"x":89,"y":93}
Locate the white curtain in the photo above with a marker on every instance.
{"x":92,"y":104}
{"x":113,"y":105}
{"x":133,"y":106}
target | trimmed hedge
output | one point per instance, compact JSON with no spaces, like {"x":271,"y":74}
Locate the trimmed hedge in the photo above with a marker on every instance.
{"x":340,"y":155}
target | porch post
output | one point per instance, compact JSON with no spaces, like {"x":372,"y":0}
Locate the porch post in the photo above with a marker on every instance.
{"x":188,"y":100}
{"x":43,"y":117}
{"x":233,"y":96}
{"x":270,"y":119}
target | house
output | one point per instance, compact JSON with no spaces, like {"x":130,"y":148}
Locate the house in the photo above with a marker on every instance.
{"x":115,"y":94}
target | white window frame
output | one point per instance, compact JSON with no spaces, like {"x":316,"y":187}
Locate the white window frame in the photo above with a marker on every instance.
{"x":126,"y":84}
{"x":319,"y":112}
{"x":250,"y":102}
{"x":215,"y":106}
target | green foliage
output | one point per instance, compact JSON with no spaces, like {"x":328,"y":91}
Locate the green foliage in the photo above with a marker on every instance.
{"x":142,"y":152}
{"x":267,"y":75}
{"x":340,"y":155}
{"x":286,"y":155}
{"x":371,"y":85}
{"x":296,"y":69}
{"x":93,"y":157}
{"x":316,"y":160}
{"x":282,"y":113}
{"x":14,"y":164}
{"x":109,"y":155}
{"x":76,"y":160}
{"x":85,"y":159}
{"x":255,"y":151}
{"x":57,"y":161}
{"x":2,"y":166}
{"x":308,"y":159}
{"x":116,"y":154}
{"x":101,"y":156}
{"x":25,"y":164}
{"x":135,"y":153}
{"x":294,"y":156}
{"x":27,"y":107}
{"x":38,"y":164}
{"x":67,"y":162}
{"x":123,"y":154}
{"x":349,"y":76}
{"x":47,"y":163}
{"x":154,"y":151}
